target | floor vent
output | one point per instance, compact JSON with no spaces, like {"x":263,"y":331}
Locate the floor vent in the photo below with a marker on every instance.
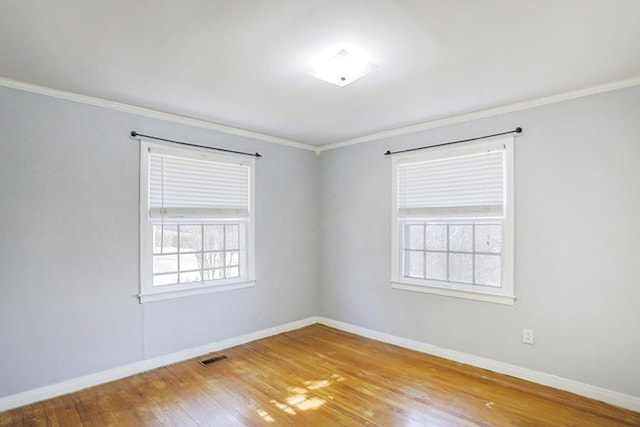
{"x":211,"y":360}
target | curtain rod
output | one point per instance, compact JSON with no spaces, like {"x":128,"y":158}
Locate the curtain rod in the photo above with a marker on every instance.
{"x":516,"y":130}
{"x":135,"y":134}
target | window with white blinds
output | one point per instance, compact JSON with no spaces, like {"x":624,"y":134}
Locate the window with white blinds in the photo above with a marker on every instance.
{"x":190,"y":188}
{"x":196,"y":221}
{"x":460,"y":186}
{"x":453,"y":221}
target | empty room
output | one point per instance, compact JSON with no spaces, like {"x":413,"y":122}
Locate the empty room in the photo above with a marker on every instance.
{"x":319,"y":213}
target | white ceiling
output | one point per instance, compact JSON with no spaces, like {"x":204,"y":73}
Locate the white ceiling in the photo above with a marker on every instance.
{"x":245,"y":63}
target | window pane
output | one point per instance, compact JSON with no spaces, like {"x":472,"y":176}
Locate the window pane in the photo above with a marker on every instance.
{"x":207,"y":275}
{"x":488,"y":270}
{"x":165,"y":263}
{"x":190,"y":262}
{"x":489,"y":238}
{"x":165,"y":279}
{"x":415,"y":237}
{"x":415,"y":264}
{"x":231,"y":259}
{"x":218,"y":259}
{"x":218,"y":273}
{"x":437,"y":237}
{"x":190,"y":238}
{"x":232,"y":236}
{"x":191,"y":276}
{"x":461,"y":238}
{"x":461,"y":268}
{"x":232,"y":272}
{"x":213,"y":259}
{"x":436,"y":266}
{"x":165,"y":242}
{"x":213,"y":237}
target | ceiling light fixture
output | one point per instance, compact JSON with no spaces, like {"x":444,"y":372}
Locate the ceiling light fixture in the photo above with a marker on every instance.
{"x":342,"y":69}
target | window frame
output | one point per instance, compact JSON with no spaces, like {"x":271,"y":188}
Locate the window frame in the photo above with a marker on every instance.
{"x":148,"y":292}
{"x":502,"y":295}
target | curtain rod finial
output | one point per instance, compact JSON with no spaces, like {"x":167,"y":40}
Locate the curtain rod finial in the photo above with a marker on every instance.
{"x":134,"y":133}
{"x":388,"y":153}
{"x":518,"y":130}
{"x":258,"y":155}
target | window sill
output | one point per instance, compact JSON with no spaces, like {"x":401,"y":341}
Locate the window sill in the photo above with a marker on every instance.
{"x":163,"y":295}
{"x":457,"y":293}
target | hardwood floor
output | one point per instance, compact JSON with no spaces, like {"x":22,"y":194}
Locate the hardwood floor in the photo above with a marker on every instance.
{"x":319,"y":376}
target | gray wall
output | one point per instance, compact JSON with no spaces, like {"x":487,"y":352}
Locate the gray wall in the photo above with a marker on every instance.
{"x":577,"y":272}
{"x":69,"y":245}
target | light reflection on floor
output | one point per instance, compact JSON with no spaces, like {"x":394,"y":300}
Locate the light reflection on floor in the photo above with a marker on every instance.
{"x":265,"y":416}
{"x":299,"y":398}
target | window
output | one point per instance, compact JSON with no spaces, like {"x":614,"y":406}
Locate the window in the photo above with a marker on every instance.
{"x":453,"y":221}
{"x":196,"y":222}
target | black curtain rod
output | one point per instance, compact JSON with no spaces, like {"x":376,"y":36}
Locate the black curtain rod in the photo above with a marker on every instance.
{"x":516,"y":130}
{"x":135,"y":134}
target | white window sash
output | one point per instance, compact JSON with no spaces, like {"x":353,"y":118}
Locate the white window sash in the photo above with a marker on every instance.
{"x":197,"y":213}
{"x":481,"y":211}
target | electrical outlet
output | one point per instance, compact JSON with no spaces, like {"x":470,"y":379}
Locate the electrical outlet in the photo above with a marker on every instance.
{"x":527,"y":336}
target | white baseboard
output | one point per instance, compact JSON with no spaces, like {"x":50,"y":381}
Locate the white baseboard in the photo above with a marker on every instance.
{"x":75,"y":384}
{"x":587,"y":390}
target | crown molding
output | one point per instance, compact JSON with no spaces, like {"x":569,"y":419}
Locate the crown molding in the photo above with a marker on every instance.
{"x":480,"y":114}
{"x":153,"y":114}
{"x":230,"y":130}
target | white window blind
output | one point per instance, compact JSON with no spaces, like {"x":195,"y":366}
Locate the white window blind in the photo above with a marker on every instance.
{"x":197,"y":189}
{"x":470,"y":185}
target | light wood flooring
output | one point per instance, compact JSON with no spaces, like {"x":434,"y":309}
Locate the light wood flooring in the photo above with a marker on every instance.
{"x":319,"y":376}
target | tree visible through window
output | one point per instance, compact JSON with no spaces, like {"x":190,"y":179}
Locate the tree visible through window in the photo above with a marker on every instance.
{"x":462,"y":252}
{"x":187,"y":253}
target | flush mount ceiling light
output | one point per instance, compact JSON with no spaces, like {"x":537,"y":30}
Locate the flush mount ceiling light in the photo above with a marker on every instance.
{"x":342,"y":69}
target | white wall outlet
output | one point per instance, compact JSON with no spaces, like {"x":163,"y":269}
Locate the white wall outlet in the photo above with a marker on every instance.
{"x":527,"y":336}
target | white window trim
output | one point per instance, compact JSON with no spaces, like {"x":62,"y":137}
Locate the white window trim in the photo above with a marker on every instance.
{"x":199,"y":290}
{"x":504,"y":295}
{"x":148,"y":292}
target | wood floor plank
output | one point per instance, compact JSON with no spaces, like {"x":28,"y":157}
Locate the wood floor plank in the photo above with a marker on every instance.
{"x":319,"y":376}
